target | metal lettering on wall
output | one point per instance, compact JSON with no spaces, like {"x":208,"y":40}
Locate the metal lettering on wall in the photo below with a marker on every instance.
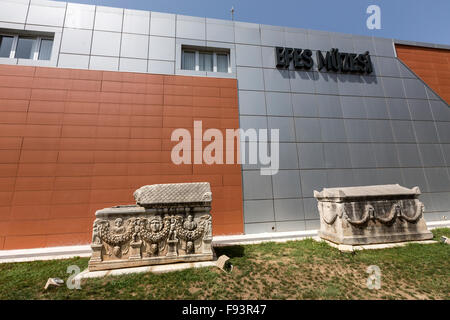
{"x":332,"y":61}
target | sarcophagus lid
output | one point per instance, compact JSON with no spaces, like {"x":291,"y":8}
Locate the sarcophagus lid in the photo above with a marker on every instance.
{"x":173,"y":193}
{"x":378,"y":191}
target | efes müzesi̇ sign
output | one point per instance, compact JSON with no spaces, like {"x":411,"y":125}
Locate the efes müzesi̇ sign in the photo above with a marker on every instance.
{"x":333,"y":60}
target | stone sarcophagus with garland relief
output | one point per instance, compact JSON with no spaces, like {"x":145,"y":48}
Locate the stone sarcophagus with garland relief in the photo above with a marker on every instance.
{"x":371,"y":214}
{"x":169,"y":223}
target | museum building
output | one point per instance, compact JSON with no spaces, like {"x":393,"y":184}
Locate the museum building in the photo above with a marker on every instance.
{"x":90,"y":96}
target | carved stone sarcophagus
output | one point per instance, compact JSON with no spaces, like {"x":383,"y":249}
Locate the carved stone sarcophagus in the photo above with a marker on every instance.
{"x":371,"y":214}
{"x":169,"y":223}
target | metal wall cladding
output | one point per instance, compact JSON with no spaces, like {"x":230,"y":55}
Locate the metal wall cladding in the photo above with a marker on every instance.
{"x":348,"y":130}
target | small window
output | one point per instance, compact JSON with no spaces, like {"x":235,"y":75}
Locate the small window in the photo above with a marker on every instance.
{"x":209,"y":61}
{"x":188,"y":60}
{"x":25,"y":48}
{"x":6,"y":43}
{"x":222,"y":63}
{"x":21,"y":46}
{"x":45,"y":50}
{"x":206,"y":61}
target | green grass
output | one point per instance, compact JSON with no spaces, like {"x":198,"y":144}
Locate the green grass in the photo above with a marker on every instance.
{"x":293,"y":270}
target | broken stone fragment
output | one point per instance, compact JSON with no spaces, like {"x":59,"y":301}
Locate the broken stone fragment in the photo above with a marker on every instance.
{"x":223,"y":263}
{"x":53,"y":282}
{"x":445,"y":240}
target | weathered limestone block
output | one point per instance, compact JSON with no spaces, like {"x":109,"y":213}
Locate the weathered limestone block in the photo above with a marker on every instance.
{"x":169,"y":223}
{"x":371,"y":214}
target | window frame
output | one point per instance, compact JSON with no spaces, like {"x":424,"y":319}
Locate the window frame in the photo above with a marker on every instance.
{"x":38,"y":50}
{"x":228,"y":61}
{"x":197,"y":59}
{"x":13,"y":44}
{"x":213,"y":54}
{"x":36,"y":46}
{"x":33,"y":48}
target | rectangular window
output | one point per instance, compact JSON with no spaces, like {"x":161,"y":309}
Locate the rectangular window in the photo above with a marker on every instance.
{"x":45,"y":50}
{"x":222,"y":63}
{"x":6,"y":43}
{"x":25,"y":48}
{"x":206,"y":61}
{"x":209,"y":61}
{"x":188,"y":61}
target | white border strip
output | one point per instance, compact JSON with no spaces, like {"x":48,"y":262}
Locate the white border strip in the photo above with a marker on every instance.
{"x":67,"y":252}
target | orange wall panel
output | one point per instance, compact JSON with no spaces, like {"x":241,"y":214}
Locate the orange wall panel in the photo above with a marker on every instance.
{"x":75,"y":141}
{"x":431,"y":65}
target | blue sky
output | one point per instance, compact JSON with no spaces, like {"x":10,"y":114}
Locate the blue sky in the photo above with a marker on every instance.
{"x":415,"y":20}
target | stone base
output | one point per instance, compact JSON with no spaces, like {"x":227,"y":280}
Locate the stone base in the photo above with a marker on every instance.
{"x":87,"y":274}
{"x":351,"y":248}
{"x":148,"y":261}
{"x":376,"y":238}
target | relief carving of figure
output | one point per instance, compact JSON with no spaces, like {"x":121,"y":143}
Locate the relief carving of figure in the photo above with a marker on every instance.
{"x":156,"y":225}
{"x":96,"y":234}
{"x":190,"y":224}
{"x":139,"y":225}
{"x":173,"y":231}
{"x":190,"y":231}
{"x":118,"y":226}
{"x":208,"y":227}
{"x":155,"y":231}
{"x":189,"y":247}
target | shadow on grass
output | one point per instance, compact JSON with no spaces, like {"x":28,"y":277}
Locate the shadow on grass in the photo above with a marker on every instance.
{"x":231,"y":251}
